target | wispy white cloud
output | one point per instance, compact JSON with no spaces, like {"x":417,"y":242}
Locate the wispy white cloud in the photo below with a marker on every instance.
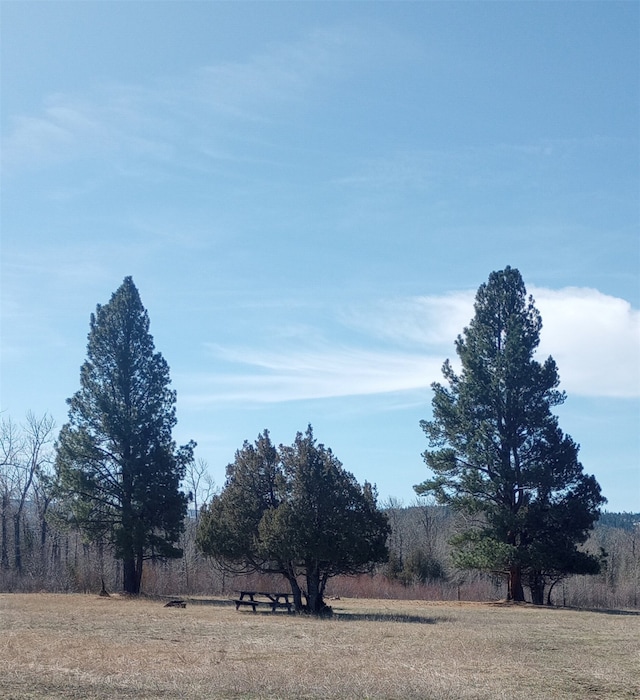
{"x":313,"y":374}
{"x":182,"y":117}
{"x":419,"y":321}
{"x":517,"y":166}
{"x":281,"y":74}
{"x":70,"y":128}
{"x":594,"y":338}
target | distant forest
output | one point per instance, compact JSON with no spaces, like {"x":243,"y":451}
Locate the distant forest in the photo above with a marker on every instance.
{"x":50,"y":555}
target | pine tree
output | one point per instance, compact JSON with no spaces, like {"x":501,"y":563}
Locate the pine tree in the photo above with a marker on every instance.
{"x":498,"y":455}
{"x":118,"y":469}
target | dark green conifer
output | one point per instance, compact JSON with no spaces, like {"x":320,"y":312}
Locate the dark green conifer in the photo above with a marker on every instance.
{"x":497,"y":453}
{"x":118,"y":469}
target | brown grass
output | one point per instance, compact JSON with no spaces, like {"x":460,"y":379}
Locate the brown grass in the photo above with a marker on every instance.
{"x":89,"y":648}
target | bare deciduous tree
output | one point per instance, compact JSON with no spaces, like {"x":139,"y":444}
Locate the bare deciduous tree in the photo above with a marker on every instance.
{"x":25,"y":455}
{"x":200,"y":484}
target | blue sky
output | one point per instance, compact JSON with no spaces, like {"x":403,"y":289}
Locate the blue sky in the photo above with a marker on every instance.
{"x":308,"y":195}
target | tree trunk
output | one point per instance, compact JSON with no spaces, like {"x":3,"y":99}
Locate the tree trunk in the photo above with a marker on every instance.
{"x":4,"y":557}
{"x":315,"y":601}
{"x":17,"y":548}
{"x":44,"y":528}
{"x":130,"y":580}
{"x":43,"y":534}
{"x":537,"y":587}
{"x":550,"y":589}
{"x":43,"y":546}
{"x":139,"y":562}
{"x":295,"y":590}
{"x":515,"y":591}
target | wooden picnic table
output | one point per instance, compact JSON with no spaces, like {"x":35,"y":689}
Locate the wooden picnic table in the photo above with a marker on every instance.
{"x":257,"y":598}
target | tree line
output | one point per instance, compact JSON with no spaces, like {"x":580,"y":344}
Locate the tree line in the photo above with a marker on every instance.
{"x":420,"y":563}
{"x":498,"y":461}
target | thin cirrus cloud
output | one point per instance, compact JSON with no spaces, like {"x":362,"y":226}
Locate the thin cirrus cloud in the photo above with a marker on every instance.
{"x":286,"y":73}
{"x":172,"y":117}
{"x":594,"y":338}
{"x":70,"y":128}
{"x":273,"y":377}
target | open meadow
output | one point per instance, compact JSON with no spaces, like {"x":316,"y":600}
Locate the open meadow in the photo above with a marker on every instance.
{"x":84,"y":647}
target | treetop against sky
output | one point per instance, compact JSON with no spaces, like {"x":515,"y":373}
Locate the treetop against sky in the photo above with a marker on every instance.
{"x":308,"y":195}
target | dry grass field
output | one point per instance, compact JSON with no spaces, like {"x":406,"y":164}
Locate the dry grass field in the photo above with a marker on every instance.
{"x":89,"y":648}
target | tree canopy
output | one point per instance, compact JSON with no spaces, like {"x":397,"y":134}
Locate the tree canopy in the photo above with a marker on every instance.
{"x":497,"y":453}
{"x":294,"y":511}
{"x":118,"y":469}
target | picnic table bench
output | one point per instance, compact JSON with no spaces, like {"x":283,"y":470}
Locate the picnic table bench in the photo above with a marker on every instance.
{"x":258,"y":598}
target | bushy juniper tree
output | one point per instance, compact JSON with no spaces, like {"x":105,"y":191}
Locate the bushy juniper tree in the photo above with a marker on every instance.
{"x":498,"y":455}
{"x":295,"y":512}
{"x":118,"y":469}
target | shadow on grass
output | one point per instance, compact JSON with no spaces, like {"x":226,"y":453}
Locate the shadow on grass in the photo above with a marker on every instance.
{"x":573,"y":608}
{"x":218,"y":602}
{"x":416,"y":619}
{"x":605,"y":611}
{"x":386,"y":617}
{"x":346,"y":616}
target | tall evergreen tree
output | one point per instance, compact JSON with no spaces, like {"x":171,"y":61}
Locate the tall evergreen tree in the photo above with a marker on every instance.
{"x":118,"y":469}
{"x":498,"y":455}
